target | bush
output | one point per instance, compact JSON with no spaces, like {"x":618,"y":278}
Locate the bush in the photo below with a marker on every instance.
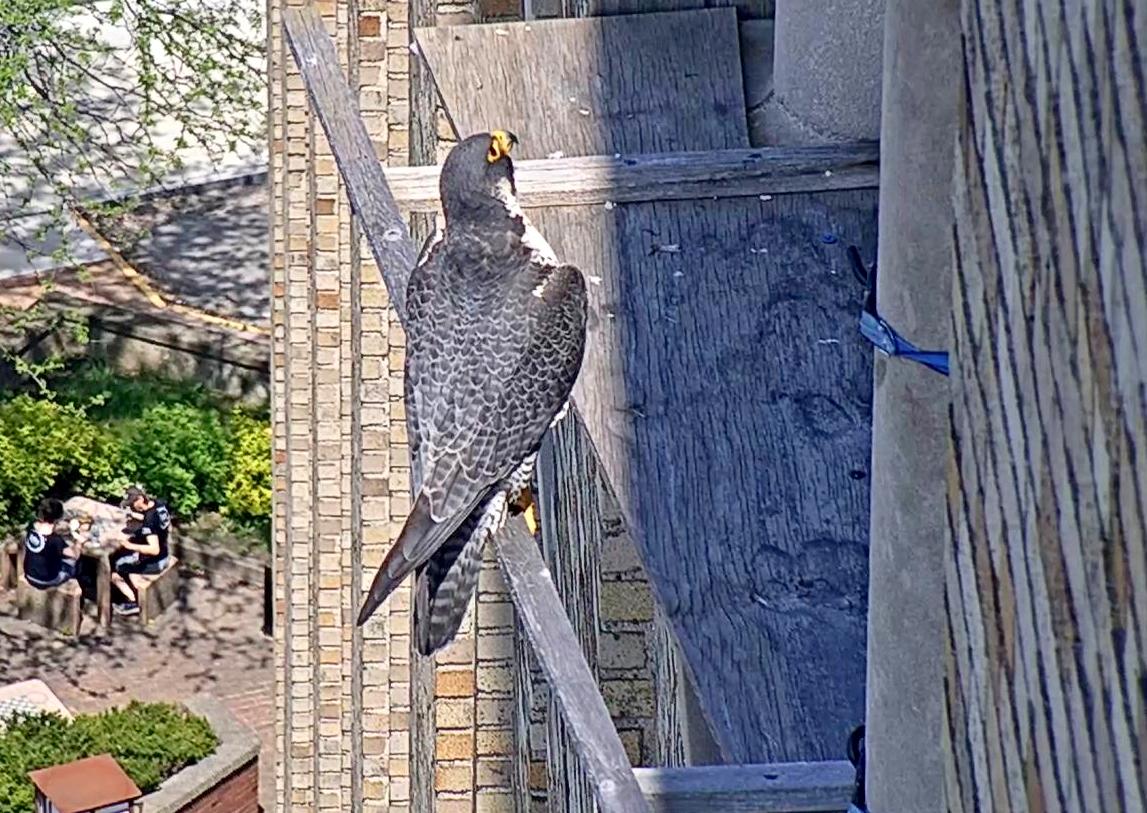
{"x":46,"y":446}
{"x":179,"y":452}
{"x":248,"y":492}
{"x":108,"y":395}
{"x":150,"y":741}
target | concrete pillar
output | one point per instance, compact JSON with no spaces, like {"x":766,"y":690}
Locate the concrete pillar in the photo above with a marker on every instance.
{"x":826,"y":72}
{"x":922,"y":70}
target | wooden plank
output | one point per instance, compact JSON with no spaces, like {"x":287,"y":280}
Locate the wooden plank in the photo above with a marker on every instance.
{"x":729,"y":400}
{"x":539,"y":609}
{"x":423,"y":150}
{"x":571,"y":681}
{"x":800,"y":787}
{"x":337,"y":110}
{"x":597,"y":179}
{"x":572,"y":532}
{"x":538,"y":73}
{"x":1046,"y":564}
{"x":725,"y":390}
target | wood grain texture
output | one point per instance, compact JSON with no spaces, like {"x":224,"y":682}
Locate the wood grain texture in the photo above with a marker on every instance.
{"x":337,"y":110}
{"x":792,"y":787}
{"x":423,"y":133}
{"x":596,"y":179}
{"x":571,"y":543}
{"x":606,"y":8}
{"x":724,"y":389}
{"x":683,"y":734}
{"x":1047,"y":569}
{"x":729,"y":401}
{"x":598,"y":86}
{"x":571,"y":681}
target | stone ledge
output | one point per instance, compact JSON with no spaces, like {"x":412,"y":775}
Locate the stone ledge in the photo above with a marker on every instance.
{"x":238,"y":748}
{"x":218,"y":562}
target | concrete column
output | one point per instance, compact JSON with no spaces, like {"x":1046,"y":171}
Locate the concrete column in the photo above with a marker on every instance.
{"x":826,"y":72}
{"x":922,"y":70}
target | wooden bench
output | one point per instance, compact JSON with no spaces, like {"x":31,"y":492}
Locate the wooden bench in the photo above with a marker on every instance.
{"x":58,"y":608}
{"x":8,"y":556}
{"x":157,"y":592}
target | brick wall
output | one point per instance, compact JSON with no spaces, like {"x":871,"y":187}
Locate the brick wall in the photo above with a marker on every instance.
{"x":238,"y":793}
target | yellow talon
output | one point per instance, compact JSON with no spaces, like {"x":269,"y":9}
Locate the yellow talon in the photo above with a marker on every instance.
{"x":524,"y":504}
{"x":531,"y":517}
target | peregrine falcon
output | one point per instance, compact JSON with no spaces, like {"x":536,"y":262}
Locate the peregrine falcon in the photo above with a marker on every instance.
{"x":495,"y":333}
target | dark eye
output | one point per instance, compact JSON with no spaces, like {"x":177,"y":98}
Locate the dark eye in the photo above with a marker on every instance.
{"x":492,"y":153}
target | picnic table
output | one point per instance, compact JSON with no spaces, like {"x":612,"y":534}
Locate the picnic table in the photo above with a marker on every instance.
{"x":105,"y":536}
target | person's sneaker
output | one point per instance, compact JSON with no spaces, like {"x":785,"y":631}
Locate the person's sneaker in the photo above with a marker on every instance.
{"x":127,"y":608}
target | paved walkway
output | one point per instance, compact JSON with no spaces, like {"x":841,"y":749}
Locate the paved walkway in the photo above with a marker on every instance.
{"x":210,"y":642}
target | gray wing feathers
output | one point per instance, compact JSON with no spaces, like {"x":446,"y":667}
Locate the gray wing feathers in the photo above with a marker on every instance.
{"x":485,"y":401}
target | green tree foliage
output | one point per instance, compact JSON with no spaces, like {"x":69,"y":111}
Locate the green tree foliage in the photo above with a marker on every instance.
{"x":44,"y":444}
{"x":248,"y":490}
{"x":99,"y":99}
{"x":179,"y":451}
{"x":107,"y":94}
{"x":150,"y":741}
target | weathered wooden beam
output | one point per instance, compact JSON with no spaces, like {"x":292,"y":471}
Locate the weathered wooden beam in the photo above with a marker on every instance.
{"x":589,"y":726}
{"x":541,"y":613}
{"x":791,"y":787}
{"x":600,"y":179}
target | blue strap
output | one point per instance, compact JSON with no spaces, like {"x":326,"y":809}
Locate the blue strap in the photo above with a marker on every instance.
{"x":883,"y":335}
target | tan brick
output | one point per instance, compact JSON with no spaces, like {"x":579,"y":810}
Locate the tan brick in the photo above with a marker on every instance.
{"x":454,"y":684}
{"x":494,"y":712}
{"x":493,"y":647}
{"x":493,"y":773}
{"x":628,"y":698}
{"x":631,"y":741}
{"x":369,"y":25}
{"x":626,"y":601}
{"x":452,"y":777}
{"x":622,"y":651}
{"x":491,"y":743}
{"x":453,"y":746}
{"x":538,"y":776}
{"x":495,"y":679}
{"x":453,"y":713}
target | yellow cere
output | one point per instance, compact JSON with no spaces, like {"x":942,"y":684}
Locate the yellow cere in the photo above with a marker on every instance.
{"x":501,"y":142}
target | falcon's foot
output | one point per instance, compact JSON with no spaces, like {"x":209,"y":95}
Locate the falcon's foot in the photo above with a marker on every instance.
{"x":525,"y":505}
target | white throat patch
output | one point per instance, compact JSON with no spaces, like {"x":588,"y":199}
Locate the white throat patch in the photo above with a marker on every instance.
{"x":540,"y":251}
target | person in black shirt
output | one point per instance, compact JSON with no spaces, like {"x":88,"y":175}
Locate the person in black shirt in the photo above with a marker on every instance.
{"x":145,"y":551}
{"x":50,"y":551}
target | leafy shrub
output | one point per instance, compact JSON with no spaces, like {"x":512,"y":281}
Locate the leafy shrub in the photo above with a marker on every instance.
{"x":150,"y":741}
{"x":45,"y":446}
{"x":248,"y":492}
{"x":179,"y":452}
{"x":108,"y":395}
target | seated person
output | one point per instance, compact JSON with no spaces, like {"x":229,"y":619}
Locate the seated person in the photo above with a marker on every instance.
{"x":145,"y":551}
{"x":50,"y":551}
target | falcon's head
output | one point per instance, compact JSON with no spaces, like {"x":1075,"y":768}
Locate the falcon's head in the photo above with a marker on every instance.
{"x":478,"y":175}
